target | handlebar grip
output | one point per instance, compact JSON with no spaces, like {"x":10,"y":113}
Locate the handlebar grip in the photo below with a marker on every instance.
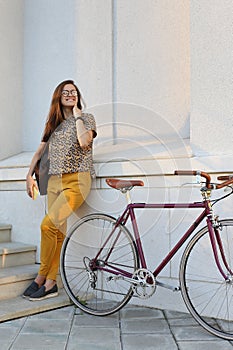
{"x":225,"y":177}
{"x":186,"y":172}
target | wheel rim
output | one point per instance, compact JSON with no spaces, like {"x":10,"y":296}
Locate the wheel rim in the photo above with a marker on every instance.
{"x":86,"y":281}
{"x":207,"y":295}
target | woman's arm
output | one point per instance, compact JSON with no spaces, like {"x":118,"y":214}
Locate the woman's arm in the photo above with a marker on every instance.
{"x":84,"y":136}
{"x":30,"y":182}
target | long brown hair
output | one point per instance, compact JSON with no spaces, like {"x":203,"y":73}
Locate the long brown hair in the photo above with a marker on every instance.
{"x":56,"y":115}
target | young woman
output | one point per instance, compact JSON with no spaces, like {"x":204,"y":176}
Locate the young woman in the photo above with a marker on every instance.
{"x":70,"y":134}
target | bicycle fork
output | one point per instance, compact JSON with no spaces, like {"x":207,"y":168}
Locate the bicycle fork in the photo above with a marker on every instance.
{"x":215,"y":238}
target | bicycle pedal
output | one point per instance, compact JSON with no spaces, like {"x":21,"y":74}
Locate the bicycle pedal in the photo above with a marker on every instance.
{"x":168,"y":286}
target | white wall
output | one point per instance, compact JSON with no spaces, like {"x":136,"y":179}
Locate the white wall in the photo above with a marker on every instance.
{"x":211,"y":78}
{"x":139,"y":56}
{"x":93,"y":51}
{"x":11,"y":88}
{"x":49,"y":58}
{"x":116,"y":52}
{"x":152,"y":59}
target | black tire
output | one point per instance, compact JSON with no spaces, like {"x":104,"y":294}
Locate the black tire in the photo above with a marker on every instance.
{"x":207,"y":295}
{"x":93,"y":290}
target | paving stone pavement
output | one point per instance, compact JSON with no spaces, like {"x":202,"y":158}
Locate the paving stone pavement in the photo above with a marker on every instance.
{"x":132,"y":328}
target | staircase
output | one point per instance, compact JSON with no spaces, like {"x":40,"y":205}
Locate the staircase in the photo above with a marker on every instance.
{"x":17,"y":270}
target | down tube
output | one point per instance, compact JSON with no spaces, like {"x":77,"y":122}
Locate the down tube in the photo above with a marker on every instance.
{"x":180,"y":243}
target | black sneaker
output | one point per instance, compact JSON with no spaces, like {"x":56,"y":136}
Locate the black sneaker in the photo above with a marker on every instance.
{"x":30,"y":290}
{"x":41,"y":294}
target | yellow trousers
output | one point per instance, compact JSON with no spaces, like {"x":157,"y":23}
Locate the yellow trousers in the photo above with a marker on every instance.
{"x":66,"y":193}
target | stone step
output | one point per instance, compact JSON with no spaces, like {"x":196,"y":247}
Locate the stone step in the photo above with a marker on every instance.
{"x":16,"y":254}
{"x":14,"y":280}
{"x":20,"y":307}
{"x":5,"y":233}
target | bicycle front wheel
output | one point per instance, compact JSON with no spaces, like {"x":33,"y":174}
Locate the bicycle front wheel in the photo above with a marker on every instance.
{"x":207,"y":295}
{"x":96,"y":259}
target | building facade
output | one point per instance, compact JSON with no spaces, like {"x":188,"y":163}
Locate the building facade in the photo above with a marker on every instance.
{"x":157,"y":75}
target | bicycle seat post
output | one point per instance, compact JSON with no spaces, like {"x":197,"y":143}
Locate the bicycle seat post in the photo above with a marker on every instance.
{"x":128,"y":197}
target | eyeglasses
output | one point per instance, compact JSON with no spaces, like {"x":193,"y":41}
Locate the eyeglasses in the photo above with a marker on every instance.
{"x":67,"y":93}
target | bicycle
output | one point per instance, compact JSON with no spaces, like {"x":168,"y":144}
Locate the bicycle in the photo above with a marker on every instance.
{"x":103,"y":265}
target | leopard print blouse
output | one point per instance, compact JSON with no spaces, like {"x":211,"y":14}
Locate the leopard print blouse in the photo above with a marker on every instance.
{"x":65,"y":153}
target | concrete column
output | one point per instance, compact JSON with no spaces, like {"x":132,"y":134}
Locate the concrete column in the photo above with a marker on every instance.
{"x":211,"y":77}
{"x":153,"y":61}
{"x":93,"y":50}
{"x":150,"y":79}
{"x":11,"y":63}
{"x":65,"y":40}
{"x":94,"y":61}
{"x":49,"y":58}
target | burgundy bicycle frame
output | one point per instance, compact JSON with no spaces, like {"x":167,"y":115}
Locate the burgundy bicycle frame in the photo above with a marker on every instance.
{"x":129,"y":212}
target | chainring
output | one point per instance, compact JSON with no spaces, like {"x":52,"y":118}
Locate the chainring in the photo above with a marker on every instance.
{"x":146,"y":284}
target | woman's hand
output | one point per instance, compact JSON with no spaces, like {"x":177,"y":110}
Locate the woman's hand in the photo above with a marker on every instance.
{"x":31,"y":185}
{"x":30,"y":182}
{"x":76,"y":111}
{"x":84,"y":136}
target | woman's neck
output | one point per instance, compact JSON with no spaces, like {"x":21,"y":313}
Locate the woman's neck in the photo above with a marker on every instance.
{"x":68,"y":112}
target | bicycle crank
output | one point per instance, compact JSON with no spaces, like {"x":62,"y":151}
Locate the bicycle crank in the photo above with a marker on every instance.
{"x":145,"y":283}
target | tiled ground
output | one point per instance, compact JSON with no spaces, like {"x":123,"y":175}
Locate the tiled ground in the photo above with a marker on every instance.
{"x":132,"y":328}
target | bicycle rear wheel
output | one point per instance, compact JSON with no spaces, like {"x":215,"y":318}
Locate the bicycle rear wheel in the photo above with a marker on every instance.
{"x":96,"y":286}
{"x":208,"y":297}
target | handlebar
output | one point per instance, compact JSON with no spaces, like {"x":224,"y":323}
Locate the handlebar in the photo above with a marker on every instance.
{"x":225,"y":177}
{"x":228,"y":179}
